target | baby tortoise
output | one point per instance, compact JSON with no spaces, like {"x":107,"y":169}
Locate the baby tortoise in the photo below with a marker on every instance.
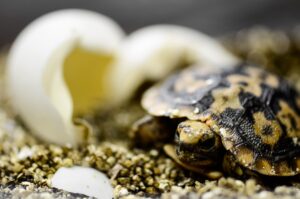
{"x":242,"y":117}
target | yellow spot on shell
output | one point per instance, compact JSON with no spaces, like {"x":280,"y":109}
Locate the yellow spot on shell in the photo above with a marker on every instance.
{"x":252,"y":83}
{"x":226,"y":98}
{"x":263,"y":166}
{"x":284,"y":115}
{"x":272,"y":81}
{"x":189,"y":83}
{"x":261,"y":122}
{"x":245,"y":156}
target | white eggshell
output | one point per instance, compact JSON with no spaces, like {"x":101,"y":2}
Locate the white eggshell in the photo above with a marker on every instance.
{"x":154,"y":51}
{"x":35,"y":83}
{"x":83,"y":180}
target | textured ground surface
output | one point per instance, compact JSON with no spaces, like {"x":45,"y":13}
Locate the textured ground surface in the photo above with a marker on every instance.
{"x":27,"y":164}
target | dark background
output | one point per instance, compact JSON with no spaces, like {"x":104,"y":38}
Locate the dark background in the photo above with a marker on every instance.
{"x":214,"y":17}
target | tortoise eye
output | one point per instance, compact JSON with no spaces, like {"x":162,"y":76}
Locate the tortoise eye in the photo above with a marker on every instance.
{"x":207,"y":144}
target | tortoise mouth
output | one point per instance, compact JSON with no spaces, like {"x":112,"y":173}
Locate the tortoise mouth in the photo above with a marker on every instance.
{"x":193,"y":156}
{"x":203,"y":168}
{"x":188,"y":158}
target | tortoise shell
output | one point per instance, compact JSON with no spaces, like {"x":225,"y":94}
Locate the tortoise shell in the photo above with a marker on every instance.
{"x":256,"y":114}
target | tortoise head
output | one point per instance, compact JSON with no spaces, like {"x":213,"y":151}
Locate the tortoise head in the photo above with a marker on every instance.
{"x":197,"y":143}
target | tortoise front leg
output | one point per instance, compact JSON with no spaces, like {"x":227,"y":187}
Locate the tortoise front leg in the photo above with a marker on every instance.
{"x":233,"y":168}
{"x":151,"y":130}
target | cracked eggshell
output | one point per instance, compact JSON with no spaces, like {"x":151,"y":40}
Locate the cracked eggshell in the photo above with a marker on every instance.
{"x":153,"y":52}
{"x":35,"y":69}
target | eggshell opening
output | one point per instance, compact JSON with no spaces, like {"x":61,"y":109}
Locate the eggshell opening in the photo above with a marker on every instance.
{"x":39,"y":73}
{"x":86,"y":75}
